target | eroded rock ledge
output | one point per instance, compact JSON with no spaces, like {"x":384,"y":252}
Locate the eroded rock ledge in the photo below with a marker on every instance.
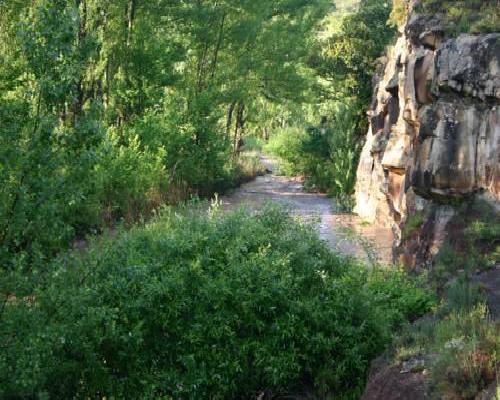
{"x":434,"y":132}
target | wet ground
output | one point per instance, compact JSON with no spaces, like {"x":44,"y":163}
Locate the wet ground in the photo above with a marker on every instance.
{"x":345,"y":233}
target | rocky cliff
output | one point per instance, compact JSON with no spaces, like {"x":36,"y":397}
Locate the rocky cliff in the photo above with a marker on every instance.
{"x":434,"y":133}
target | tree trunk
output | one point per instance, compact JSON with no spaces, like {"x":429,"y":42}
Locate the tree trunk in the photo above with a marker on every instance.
{"x":79,"y":100}
{"x":130,"y":21}
{"x":218,"y":47}
{"x":239,"y":128}
{"x":229,"y":121}
{"x":265,"y":133}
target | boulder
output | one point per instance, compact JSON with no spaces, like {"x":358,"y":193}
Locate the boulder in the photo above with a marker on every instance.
{"x":469,"y":65}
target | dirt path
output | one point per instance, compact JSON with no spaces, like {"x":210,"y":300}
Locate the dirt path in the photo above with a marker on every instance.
{"x":343,"y":232}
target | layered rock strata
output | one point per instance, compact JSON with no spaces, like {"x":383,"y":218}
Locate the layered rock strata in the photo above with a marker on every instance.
{"x":434,"y":134}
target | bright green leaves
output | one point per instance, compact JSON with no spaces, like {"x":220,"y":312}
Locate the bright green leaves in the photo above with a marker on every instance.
{"x":199,"y":305}
{"x":48,"y":38}
{"x":348,"y":58}
{"x":343,"y":62}
{"x":110,"y":108}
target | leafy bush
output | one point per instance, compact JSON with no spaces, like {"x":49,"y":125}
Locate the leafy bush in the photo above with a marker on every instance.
{"x":326,"y":156}
{"x":469,"y":362}
{"x":344,"y":63}
{"x":462,"y":294}
{"x":44,"y":184}
{"x":130,"y":181}
{"x":339,"y":153}
{"x":393,"y":289}
{"x":464,"y":344}
{"x":398,"y":14}
{"x":105,"y":117}
{"x":252,"y":143}
{"x":484,"y":231}
{"x":248,"y":166}
{"x":348,"y":58}
{"x":459,"y":341}
{"x":200,"y":305}
{"x":412,"y":225}
{"x":473,"y":242}
{"x":287,"y":144}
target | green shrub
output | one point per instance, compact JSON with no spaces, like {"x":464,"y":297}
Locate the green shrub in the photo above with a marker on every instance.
{"x":344,"y":149}
{"x":473,"y":243}
{"x":248,"y":166}
{"x":44,"y":185}
{"x":130,"y":181}
{"x":286,"y":144}
{"x":412,"y":225}
{"x":199,"y":305}
{"x":398,"y":14}
{"x":484,"y":231}
{"x":196,"y":156}
{"x":461,"y":348}
{"x":326,"y":156}
{"x":252,"y":143}
{"x":462,"y":294}
{"x":459,"y":342}
{"x":393,"y":290}
{"x":446,"y":265}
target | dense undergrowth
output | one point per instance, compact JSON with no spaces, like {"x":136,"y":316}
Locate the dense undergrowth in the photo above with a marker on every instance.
{"x":110,"y":109}
{"x":203,"y":305}
{"x":473,"y":245}
{"x":458,"y":343}
{"x":326,"y":156}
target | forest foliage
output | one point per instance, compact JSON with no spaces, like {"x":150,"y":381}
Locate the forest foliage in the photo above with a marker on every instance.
{"x":344,"y":62}
{"x":109,"y":109}
{"x":469,"y":16}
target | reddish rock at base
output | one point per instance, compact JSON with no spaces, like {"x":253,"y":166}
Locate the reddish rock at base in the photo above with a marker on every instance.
{"x":386,"y":382}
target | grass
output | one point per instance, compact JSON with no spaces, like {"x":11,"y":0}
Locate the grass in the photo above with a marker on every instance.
{"x":412,"y":225}
{"x":465,"y":16}
{"x":460,"y":348}
{"x":473,"y":243}
{"x":459,"y":341}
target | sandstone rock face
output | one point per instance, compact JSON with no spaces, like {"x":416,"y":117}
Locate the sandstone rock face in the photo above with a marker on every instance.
{"x":434,"y":128}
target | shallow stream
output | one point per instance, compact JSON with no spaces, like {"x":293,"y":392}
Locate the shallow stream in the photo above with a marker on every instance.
{"x":345,"y":233}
